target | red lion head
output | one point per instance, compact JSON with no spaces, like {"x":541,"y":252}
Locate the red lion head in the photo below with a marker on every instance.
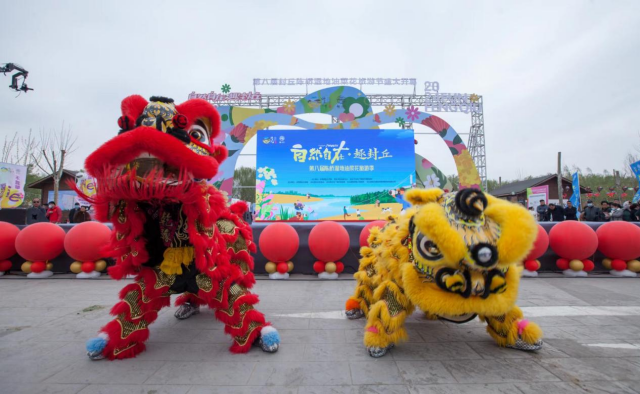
{"x":161,"y":151}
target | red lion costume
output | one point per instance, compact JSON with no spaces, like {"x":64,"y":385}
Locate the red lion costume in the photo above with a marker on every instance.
{"x":171,"y":229}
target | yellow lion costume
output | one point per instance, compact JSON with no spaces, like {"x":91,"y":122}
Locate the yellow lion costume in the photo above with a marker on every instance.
{"x":453,"y":256}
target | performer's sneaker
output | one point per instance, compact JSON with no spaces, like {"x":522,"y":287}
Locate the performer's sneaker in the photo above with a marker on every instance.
{"x":95,"y":346}
{"x":354,"y":314}
{"x":377,"y":352}
{"x":269,"y":339}
{"x":528,"y":347}
{"x":187,"y":310}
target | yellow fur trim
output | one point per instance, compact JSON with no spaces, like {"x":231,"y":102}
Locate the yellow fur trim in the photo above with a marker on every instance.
{"x":433,"y":223}
{"x":174,"y":258}
{"x":518,"y":230}
{"x":532,"y":333}
{"x":423,"y":196}
{"x":429,"y":297}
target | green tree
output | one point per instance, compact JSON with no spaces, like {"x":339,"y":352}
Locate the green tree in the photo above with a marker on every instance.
{"x":244,"y":184}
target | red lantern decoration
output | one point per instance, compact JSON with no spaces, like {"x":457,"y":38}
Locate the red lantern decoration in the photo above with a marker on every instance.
{"x":339,"y":267}
{"x":328,"y":241}
{"x":597,"y":194}
{"x":85,"y":241}
{"x":318,"y":266}
{"x":623,"y":195}
{"x":279,"y":242}
{"x":8,"y":234}
{"x":40,"y":242}
{"x":573,"y":240}
{"x":619,"y":240}
{"x":540,"y":246}
{"x":564,"y":195}
{"x":364,"y":234}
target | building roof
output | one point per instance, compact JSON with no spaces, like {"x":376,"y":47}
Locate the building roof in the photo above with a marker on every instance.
{"x":522,"y":186}
{"x":39,"y":183}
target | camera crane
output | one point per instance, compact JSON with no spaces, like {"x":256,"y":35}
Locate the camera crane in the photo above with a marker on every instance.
{"x":8,"y":67}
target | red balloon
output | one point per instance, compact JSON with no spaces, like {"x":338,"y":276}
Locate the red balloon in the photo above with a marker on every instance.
{"x":85,"y":241}
{"x":619,"y":265}
{"x":619,"y":240}
{"x":573,"y":240}
{"x":38,"y":266}
{"x":279,"y":242}
{"x":339,"y":267}
{"x":40,"y":242}
{"x":282,"y":268}
{"x":364,"y":234}
{"x":87,"y":266}
{"x":5,"y":265}
{"x":588,"y":265}
{"x":8,"y":234}
{"x":540,"y":245}
{"x":532,"y":265}
{"x":318,"y":266}
{"x":563,"y":264}
{"x":328,"y":241}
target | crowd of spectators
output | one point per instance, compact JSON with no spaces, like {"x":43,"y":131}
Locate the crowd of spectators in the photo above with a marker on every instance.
{"x":606,"y":212}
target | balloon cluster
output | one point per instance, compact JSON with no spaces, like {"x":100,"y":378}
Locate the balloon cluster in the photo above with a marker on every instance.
{"x":574,"y":242}
{"x":620,"y":243}
{"x":279,"y":242}
{"x":540,"y":246}
{"x":40,"y":243}
{"x":328,"y":242}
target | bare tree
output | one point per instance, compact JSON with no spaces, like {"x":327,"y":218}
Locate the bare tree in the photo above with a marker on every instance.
{"x":20,"y":150}
{"x":55,"y":148}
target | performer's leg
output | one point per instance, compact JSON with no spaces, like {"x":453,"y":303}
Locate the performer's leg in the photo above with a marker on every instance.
{"x":124,"y":336}
{"x":513,"y":331}
{"x":234,"y":306}
{"x":385,"y":320}
{"x":358,"y":304}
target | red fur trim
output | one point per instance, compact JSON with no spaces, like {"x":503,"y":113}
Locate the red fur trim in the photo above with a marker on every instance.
{"x":133,"y":106}
{"x":125,"y":147}
{"x":191,"y":298}
{"x":116,"y":342}
{"x":251,"y":316}
{"x":235,"y":348}
{"x":238,"y":208}
{"x":195,"y":109}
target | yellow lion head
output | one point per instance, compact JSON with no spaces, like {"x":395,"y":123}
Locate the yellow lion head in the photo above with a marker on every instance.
{"x":454,"y":251}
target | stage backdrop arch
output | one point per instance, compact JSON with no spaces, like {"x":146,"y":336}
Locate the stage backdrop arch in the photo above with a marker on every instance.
{"x":352,"y":109}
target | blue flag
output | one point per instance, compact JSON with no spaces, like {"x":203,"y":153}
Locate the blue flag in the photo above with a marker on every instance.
{"x":635,"y":167}
{"x":575,"y":197}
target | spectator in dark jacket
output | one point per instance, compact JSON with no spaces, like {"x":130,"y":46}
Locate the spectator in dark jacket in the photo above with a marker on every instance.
{"x":36,"y":213}
{"x":592,"y":213}
{"x":555,"y":213}
{"x":627,"y":214}
{"x":635,"y":209}
{"x":570,"y":212}
{"x":82,"y":216}
{"x":73,"y":211}
{"x":606,"y":211}
{"x":542,"y":211}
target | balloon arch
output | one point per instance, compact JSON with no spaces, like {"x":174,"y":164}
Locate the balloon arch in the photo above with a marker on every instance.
{"x":350,"y":108}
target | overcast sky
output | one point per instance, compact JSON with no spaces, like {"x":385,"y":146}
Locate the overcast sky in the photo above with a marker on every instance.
{"x":555,"y":75}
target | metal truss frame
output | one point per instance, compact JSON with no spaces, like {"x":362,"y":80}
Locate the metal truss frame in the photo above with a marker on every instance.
{"x":432,"y":102}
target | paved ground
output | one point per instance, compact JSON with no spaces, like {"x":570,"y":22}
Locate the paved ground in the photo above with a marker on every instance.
{"x":44,"y":324}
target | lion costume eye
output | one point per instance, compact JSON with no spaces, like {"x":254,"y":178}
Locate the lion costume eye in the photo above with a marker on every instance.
{"x":199,"y":133}
{"x":427,"y":248}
